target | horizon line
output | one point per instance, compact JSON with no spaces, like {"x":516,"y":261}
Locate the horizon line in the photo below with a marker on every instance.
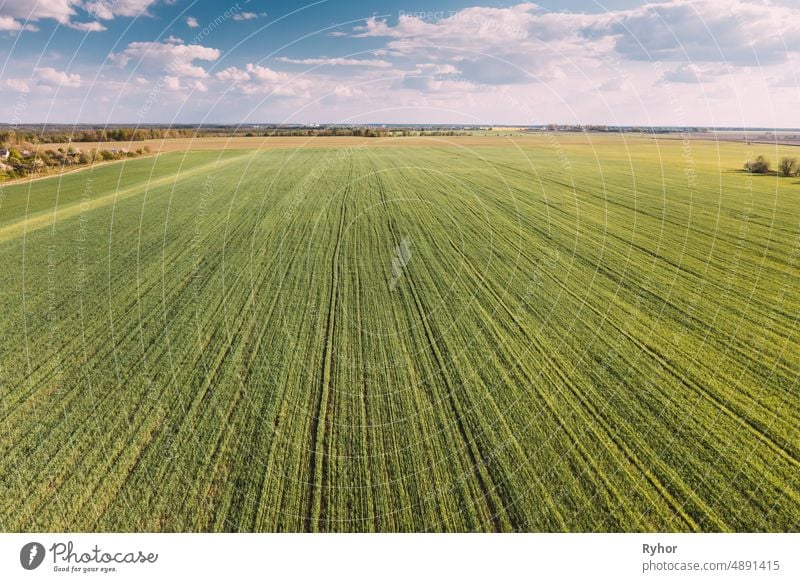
{"x":315,"y":125}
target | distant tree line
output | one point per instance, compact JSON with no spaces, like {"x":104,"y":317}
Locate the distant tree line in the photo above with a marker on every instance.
{"x":330,"y":132}
{"x":761,"y":165}
{"x":23,"y":162}
{"x":621,"y":129}
{"x":22,"y":136}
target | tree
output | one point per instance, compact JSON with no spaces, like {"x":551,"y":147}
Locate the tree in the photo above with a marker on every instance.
{"x":760,"y":166}
{"x":787,"y":166}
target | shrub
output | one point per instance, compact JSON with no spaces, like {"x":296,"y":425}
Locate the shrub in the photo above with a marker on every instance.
{"x":788,"y":166}
{"x":761,"y":165}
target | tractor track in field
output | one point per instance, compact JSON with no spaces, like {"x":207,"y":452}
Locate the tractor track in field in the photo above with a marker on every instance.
{"x":734,"y":413}
{"x":494,"y":505}
{"x":562,"y":379}
{"x":258,"y":341}
{"x":666,"y":365}
{"x":364,"y":401}
{"x":631,"y":457}
{"x":516,"y":363}
{"x":320,"y":419}
{"x":295,"y":218}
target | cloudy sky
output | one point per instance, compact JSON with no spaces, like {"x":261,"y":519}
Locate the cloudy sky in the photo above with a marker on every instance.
{"x":668,"y":62}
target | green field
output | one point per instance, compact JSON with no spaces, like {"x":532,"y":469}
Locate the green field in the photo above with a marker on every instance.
{"x":549,"y":334}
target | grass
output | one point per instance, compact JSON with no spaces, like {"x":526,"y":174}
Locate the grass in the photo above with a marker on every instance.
{"x":567,"y":333}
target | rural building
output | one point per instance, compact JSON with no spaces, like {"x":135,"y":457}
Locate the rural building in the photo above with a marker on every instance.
{"x":4,"y":153}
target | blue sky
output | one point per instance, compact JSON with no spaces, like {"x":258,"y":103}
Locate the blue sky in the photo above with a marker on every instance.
{"x":667,"y":62}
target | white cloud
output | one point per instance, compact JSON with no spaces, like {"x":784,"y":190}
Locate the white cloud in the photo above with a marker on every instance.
{"x":593,"y":64}
{"x":248,"y":15}
{"x":65,"y":11}
{"x":338,"y":62}
{"x":346,"y":91}
{"x":475,"y":26}
{"x":733,"y":31}
{"x":171,"y":83}
{"x":108,"y":9}
{"x":9,"y":24}
{"x":690,"y":73}
{"x":87,"y":26}
{"x":59,"y":10}
{"x":44,"y":79}
{"x":407,"y":26}
{"x":20,"y":85}
{"x":176,"y":60}
{"x":255,"y":79}
{"x":496,"y":46}
{"x":437,"y":69}
{"x":426,"y":84}
{"x":233,"y":74}
{"x":191,"y":22}
{"x":53,"y":78}
{"x":501,"y":41}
